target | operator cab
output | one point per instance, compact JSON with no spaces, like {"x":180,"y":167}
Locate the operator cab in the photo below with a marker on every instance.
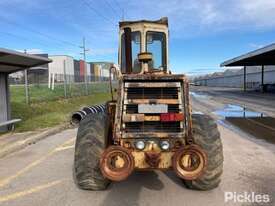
{"x":143,"y":46}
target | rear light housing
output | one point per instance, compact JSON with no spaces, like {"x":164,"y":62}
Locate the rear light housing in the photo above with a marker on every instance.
{"x":171,"y":117}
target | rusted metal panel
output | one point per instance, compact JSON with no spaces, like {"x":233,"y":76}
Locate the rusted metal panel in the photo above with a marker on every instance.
{"x":152,"y":118}
{"x":140,"y":118}
{"x":133,"y":118}
{"x":154,"y":77}
{"x":152,"y":101}
{"x":119,"y":109}
{"x":153,"y":134}
{"x":152,"y":84}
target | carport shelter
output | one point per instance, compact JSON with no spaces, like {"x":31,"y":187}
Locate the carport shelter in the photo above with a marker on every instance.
{"x":13,"y":61}
{"x":260,"y":57}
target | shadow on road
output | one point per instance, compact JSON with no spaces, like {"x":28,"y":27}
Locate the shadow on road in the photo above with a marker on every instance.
{"x":172,"y":176}
{"x":127,"y":192}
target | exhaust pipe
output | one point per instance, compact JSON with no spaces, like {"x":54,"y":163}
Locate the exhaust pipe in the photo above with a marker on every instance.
{"x":116,"y":163}
{"x":189,"y":162}
{"x":128,"y":49}
{"x":79,"y":115}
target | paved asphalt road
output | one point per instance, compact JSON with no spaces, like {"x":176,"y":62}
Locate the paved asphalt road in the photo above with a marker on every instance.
{"x":41,"y":175}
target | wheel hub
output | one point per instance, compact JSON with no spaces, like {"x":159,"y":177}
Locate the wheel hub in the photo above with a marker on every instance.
{"x":116,"y":163}
{"x":189,"y":162}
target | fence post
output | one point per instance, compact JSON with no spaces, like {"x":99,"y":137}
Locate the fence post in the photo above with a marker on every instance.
{"x":65,"y":79}
{"x":49,"y":80}
{"x":27,"y":87}
{"x":53,"y":80}
{"x":85,"y":78}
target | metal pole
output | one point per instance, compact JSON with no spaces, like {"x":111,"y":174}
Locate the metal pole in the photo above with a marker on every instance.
{"x":65,"y":79}
{"x":85,"y":68}
{"x":53,"y":79}
{"x":27,"y":97}
{"x":263,"y":78}
{"x":26,"y":87}
{"x":244,"y":78}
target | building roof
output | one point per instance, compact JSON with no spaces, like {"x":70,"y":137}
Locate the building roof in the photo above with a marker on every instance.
{"x":60,"y":55}
{"x":263,"y":56}
{"x":12,"y":61}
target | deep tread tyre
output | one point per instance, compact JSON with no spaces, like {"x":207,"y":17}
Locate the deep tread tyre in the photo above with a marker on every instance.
{"x":207,"y":136}
{"x":90,"y":143}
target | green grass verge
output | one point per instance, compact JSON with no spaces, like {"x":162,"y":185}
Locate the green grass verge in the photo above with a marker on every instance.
{"x":49,"y":108}
{"x":50,"y":113}
{"x":42,"y":93}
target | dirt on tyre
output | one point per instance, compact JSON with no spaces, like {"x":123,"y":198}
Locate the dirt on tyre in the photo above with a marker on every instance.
{"x":207,"y":136}
{"x":90,"y":143}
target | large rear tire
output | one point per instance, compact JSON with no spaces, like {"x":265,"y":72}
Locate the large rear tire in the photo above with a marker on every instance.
{"x":90,"y":142}
{"x":207,"y":136}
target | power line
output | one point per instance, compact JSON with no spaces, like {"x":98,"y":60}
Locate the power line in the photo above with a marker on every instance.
{"x":118,"y":5}
{"x":34,"y":41}
{"x":121,"y":8}
{"x":112,"y":8}
{"x":88,"y":4}
{"x":38,"y":32}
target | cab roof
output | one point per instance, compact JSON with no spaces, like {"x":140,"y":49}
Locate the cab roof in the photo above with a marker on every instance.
{"x":162,"y":21}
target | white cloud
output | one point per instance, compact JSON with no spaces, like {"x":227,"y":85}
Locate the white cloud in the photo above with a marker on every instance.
{"x":207,"y":16}
{"x":187,"y":17}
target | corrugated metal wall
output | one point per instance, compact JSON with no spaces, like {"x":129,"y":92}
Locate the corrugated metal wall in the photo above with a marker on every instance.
{"x":253,"y":79}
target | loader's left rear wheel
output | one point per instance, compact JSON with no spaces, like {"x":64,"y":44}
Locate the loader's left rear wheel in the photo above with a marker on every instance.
{"x":90,"y":143}
{"x":207,"y":136}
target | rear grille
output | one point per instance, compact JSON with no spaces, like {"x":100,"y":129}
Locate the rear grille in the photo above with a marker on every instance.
{"x":152,"y":93}
{"x":167,"y":92}
{"x":152,"y":127}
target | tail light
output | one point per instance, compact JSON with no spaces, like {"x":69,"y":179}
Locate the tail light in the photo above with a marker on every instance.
{"x":171,"y":117}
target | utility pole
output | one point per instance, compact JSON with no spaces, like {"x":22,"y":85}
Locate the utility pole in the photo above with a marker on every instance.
{"x":26,"y":84}
{"x":123,"y":14}
{"x":84,"y":58}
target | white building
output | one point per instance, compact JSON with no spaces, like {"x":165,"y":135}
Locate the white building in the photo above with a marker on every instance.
{"x":88,"y":69}
{"x":61,"y":64}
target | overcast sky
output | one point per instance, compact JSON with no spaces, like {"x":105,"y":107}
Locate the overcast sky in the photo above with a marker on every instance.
{"x":203,"y":33}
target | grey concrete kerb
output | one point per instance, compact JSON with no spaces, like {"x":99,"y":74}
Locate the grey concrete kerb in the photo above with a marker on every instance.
{"x":20,"y":144}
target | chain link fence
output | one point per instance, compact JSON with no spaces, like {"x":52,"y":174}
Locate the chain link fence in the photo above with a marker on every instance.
{"x":41,"y":86}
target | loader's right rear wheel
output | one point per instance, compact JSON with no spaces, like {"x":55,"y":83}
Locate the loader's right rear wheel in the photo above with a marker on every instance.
{"x":90,"y":143}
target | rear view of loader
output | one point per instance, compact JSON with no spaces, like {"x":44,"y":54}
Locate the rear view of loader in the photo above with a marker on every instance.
{"x":149,"y":126}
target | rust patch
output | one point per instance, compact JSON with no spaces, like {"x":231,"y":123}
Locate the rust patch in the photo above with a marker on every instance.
{"x":152,"y":159}
{"x":116,"y":163}
{"x":189,"y":162}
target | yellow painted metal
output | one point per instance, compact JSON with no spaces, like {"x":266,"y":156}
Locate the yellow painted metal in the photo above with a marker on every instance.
{"x":119,"y":162}
{"x":165,"y":160}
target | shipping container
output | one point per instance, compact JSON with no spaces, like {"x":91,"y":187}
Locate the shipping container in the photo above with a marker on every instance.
{"x":82,"y":68}
{"x":77,"y":70}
